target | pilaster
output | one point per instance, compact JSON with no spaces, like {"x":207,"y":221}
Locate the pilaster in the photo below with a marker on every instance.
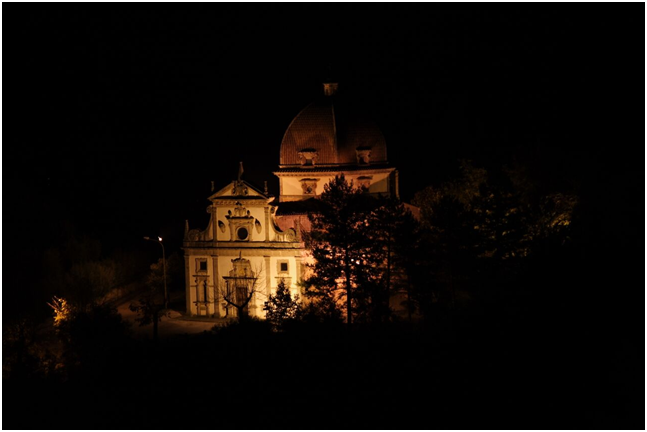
{"x":216,"y":286}
{"x":187,"y":284}
{"x":268,"y":276}
{"x":267,"y":224}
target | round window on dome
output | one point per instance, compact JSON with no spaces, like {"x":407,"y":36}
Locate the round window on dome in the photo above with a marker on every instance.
{"x":242,"y":233}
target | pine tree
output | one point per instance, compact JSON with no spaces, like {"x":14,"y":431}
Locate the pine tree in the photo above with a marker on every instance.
{"x":281,"y":307}
{"x":391,"y":229}
{"x":337,"y":242}
{"x":359,"y":244}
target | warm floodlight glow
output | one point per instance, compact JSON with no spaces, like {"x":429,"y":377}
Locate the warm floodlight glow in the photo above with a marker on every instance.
{"x":159,"y":238}
{"x":62,"y":310}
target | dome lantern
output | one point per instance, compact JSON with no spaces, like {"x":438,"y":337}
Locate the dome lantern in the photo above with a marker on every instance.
{"x":330,"y":88}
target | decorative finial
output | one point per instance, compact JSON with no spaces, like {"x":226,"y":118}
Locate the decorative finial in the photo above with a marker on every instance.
{"x":265,"y":188}
{"x":212,"y":185}
{"x":330,"y":84}
{"x":330,"y":88}
{"x":240,"y":170}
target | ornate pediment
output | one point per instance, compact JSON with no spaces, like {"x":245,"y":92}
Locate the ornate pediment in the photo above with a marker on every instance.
{"x":238,"y":189}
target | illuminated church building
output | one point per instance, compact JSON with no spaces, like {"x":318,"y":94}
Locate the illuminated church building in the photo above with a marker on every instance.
{"x":253,"y":242}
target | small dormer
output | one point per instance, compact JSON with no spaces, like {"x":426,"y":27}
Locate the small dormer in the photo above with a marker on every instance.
{"x":363,"y":155}
{"x":330,"y":88}
{"x":308,"y":157}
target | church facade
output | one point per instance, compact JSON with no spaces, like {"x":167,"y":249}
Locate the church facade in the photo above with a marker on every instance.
{"x":252,"y":242}
{"x":242,"y":253}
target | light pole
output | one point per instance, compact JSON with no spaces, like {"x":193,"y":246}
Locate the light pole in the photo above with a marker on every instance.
{"x":159,"y":240}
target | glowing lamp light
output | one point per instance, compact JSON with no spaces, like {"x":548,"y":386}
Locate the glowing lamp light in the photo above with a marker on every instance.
{"x":159,"y":238}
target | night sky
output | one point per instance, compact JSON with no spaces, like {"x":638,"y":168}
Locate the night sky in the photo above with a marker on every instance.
{"x":118,"y":117}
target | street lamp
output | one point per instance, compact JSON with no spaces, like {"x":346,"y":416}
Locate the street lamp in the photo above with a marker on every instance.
{"x":159,"y":240}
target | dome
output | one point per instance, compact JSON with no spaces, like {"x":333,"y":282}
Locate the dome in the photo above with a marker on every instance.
{"x":332,"y":132}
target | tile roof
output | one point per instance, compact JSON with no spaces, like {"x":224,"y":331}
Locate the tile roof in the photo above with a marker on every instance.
{"x":298,"y":207}
{"x":335,"y":129}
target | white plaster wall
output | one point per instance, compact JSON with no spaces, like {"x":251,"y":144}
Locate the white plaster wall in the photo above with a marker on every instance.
{"x":292,"y":273}
{"x":292,"y":185}
{"x":379,"y":183}
{"x":193,"y":271}
{"x":220,"y":216}
{"x":259,"y":214}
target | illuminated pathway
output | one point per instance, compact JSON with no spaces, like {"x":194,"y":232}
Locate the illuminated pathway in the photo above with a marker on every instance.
{"x":171,"y":325}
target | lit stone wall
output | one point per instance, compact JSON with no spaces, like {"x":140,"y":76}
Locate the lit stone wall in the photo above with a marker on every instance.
{"x":292,"y":184}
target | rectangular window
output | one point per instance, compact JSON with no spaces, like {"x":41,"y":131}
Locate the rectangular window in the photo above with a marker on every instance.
{"x":284,"y":267}
{"x":201,"y":265}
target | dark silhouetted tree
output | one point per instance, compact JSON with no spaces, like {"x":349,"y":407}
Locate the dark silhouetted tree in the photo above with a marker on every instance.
{"x":91,"y":336}
{"x":150,"y":306}
{"x":149,"y":311}
{"x":391,"y":229}
{"x":479,"y":228}
{"x":358,"y":243}
{"x":77,"y":271}
{"x":338,"y":244}
{"x":174,"y":273}
{"x":281,"y":307}
{"x":21,"y":356}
